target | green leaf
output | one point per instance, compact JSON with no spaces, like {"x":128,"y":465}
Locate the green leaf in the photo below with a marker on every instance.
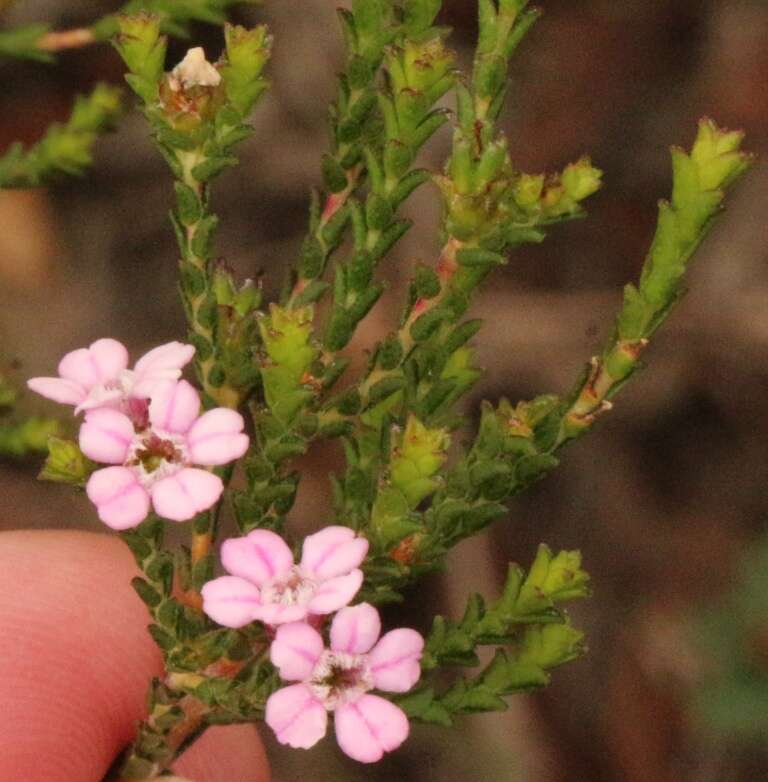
{"x":416,"y":456}
{"x":419,"y":15}
{"x":422,"y":705}
{"x":247,"y":52}
{"x":148,"y":594}
{"x":312,"y":293}
{"x":426,"y":283}
{"x":66,"y":463}
{"x":365,"y":301}
{"x":19,"y":438}
{"x":390,"y":353}
{"x":22,"y":43}
{"x":143,"y":50}
{"x":552,"y":579}
{"x":188,"y":205}
{"x":203,"y":239}
{"x":383,"y":389}
{"x":476,"y":256}
{"x":334,"y":176}
{"x":407,"y":185}
{"x":427,"y":324}
{"x":551,"y":645}
{"x":65,"y":148}
{"x":378,"y":212}
{"x":211,"y":167}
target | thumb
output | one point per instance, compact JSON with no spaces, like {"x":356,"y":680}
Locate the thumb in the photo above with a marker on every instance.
{"x":76,"y":660}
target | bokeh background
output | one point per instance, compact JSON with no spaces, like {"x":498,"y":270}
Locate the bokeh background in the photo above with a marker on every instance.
{"x":666,"y":498}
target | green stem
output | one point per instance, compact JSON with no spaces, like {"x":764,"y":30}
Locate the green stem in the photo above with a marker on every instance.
{"x":333,"y":203}
{"x":446,"y":268}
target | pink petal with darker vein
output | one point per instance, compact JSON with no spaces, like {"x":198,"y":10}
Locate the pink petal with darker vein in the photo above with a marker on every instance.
{"x":296,"y":717}
{"x":370,"y":726}
{"x":278,"y":613}
{"x":295,"y":651}
{"x":174,"y":406}
{"x":106,"y":435}
{"x":161,"y":363}
{"x":122,"y":503}
{"x":395,"y":660}
{"x":355,"y":629}
{"x":230,"y":601}
{"x":216,"y":437}
{"x":65,"y":392}
{"x":186,"y":493}
{"x":332,"y":552}
{"x":102,"y":361}
{"x":259,"y":556}
{"x":335,"y":593}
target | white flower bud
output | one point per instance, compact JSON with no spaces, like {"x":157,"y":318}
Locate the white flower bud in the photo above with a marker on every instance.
{"x":195,"y":71}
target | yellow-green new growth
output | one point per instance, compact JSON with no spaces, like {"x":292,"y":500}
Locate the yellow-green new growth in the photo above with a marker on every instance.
{"x":416,"y":458}
{"x":289,"y":354}
{"x":66,"y":463}
{"x":548,"y":646}
{"x":143,"y":49}
{"x":553,"y":579}
{"x":247,"y":52}
{"x":717,"y":156}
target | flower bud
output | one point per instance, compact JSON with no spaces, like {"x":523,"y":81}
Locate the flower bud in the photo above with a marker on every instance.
{"x":195,"y":71}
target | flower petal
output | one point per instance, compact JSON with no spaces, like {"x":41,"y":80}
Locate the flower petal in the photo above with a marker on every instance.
{"x":65,"y":392}
{"x":121,"y":501}
{"x":278,"y":613}
{"x":174,"y":406}
{"x":106,"y":435}
{"x":230,"y":601}
{"x":216,"y":437}
{"x":332,"y":552}
{"x":186,"y":493}
{"x":161,"y":363}
{"x":260,"y":556}
{"x":296,"y":717}
{"x":335,"y":593}
{"x":356,"y":629}
{"x":101,"y":396}
{"x":295,"y":651}
{"x":370,"y":726}
{"x":395,"y":659}
{"x":94,"y":365}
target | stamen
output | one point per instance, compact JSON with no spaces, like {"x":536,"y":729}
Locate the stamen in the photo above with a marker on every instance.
{"x":340,"y":677}
{"x":295,"y":589}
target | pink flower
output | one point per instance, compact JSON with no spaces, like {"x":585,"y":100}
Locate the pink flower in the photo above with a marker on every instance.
{"x":97,"y":376}
{"x":155,"y":463}
{"x":339,"y":679}
{"x":266,"y":584}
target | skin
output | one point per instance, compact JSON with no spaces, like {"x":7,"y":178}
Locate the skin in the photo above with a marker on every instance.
{"x":75,"y":662}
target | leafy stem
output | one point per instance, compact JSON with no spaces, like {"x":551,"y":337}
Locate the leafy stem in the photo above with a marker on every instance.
{"x":38,"y":42}
{"x":66,"y":148}
{"x":527,"y":619}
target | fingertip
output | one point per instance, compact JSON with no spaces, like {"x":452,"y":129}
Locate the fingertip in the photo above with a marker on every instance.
{"x":225,"y":753}
{"x":75,"y":656}
{"x":76,"y":661}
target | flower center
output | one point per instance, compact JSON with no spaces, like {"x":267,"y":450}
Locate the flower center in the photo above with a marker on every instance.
{"x":339,"y":678}
{"x":117,"y":394}
{"x":156,"y":455}
{"x":293,"y":589}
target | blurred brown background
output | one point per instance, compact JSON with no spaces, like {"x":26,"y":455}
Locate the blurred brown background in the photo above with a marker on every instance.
{"x":663,"y":498}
